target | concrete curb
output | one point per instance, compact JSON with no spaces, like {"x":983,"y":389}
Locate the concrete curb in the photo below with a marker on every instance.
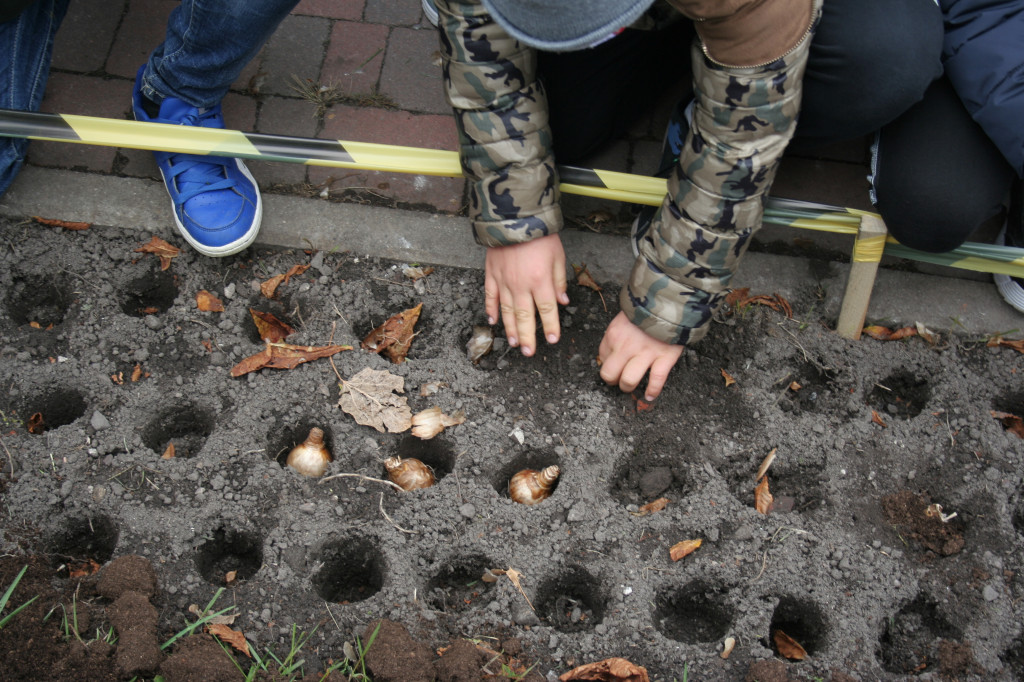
{"x":941,"y":303}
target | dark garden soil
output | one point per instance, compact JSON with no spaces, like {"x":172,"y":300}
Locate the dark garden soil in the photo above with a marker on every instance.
{"x":108,"y":360}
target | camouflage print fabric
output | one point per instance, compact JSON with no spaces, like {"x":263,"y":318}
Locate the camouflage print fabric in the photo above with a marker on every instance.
{"x":743,"y":120}
{"x":502,"y":116}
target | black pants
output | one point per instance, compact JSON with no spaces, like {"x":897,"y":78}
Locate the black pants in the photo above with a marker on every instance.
{"x":874,"y":65}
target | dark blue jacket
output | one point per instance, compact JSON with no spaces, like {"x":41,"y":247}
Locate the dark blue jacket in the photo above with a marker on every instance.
{"x":984,"y":59}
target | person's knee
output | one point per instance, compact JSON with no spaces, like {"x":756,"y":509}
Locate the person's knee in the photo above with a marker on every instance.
{"x":928,"y":223}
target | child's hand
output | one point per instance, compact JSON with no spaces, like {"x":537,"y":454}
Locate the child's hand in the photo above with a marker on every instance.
{"x":627,"y":353}
{"x":521,"y":280}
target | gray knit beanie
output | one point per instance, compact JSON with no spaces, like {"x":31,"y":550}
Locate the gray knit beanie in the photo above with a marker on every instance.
{"x":564,"y":25}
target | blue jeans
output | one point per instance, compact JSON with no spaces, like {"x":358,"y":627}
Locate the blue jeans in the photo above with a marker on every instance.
{"x":26,"y":44}
{"x":207,"y":45}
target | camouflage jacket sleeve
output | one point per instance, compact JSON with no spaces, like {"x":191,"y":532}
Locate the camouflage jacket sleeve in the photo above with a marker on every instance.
{"x":743,"y":119}
{"x":502,"y":117}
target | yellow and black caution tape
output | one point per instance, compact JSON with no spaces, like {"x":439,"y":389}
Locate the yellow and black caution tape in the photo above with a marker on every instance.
{"x":591,"y":182}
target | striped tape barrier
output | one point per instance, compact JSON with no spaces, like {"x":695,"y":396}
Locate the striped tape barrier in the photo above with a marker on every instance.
{"x":602,"y":184}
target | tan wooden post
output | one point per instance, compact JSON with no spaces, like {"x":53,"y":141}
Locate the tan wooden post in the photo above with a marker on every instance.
{"x":867,"y":252}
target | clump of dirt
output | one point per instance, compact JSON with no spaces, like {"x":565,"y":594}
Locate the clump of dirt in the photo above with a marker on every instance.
{"x":916,"y":518}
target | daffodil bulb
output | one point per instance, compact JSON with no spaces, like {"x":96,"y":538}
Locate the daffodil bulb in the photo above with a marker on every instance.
{"x":409,"y":473}
{"x":432,"y":421}
{"x":530,"y":486}
{"x":310,"y":458}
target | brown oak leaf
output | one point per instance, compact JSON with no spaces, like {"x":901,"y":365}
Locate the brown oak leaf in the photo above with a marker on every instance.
{"x":208,"y":303}
{"x":1010,"y":422}
{"x":762,"y":497}
{"x":284,"y":356}
{"x":394,"y":337}
{"x":270,"y":328}
{"x":159,"y":247}
{"x":269,"y":287}
{"x":233,"y":637}
{"x":370,"y":397}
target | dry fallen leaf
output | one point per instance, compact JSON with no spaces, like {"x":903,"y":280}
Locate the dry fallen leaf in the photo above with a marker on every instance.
{"x":729,"y":381}
{"x":414,"y":272}
{"x":794,"y":386}
{"x":370,"y":397}
{"x":608,"y":670}
{"x":727,"y":646}
{"x":925,"y":333}
{"x":160,"y":248}
{"x":651,"y":507}
{"x":208,"y":303}
{"x":233,"y":637}
{"x":83,"y":569}
{"x":584,"y":279}
{"x":886,"y":334}
{"x":1010,"y":422}
{"x":35,"y":423}
{"x":169,"y":452}
{"x":996,"y":341}
{"x":775,"y":302}
{"x":767,"y":462}
{"x":762,"y":497}
{"x":269,"y":327}
{"x":137,"y":372}
{"x":682,"y":549}
{"x":876,"y":418}
{"x":66,"y":224}
{"x":736,"y":295}
{"x":117,"y":378}
{"x":394,"y":336}
{"x":284,"y":356}
{"x":223,"y":619}
{"x":642,"y":405}
{"x":788,"y":646}
{"x":230,"y":576}
{"x":514,"y":575}
{"x":269,"y":287}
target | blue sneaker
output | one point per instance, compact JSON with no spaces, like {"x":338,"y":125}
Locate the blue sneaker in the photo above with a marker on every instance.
{"x":216,"y":201}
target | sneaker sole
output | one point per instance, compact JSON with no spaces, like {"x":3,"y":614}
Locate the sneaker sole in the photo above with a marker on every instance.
{"x":430,"y":11}
{"x":231,"y":248}
{"x":1011,"y":291}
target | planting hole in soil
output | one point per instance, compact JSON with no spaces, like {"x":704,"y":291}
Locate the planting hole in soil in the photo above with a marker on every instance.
{"x":185,"y":426}
{"x":531,"y":459}
{"x":52,"y":409}
{"x":695,"y":613}
{"x":353,"y":570}
{"x":571,"y":601}
{"x":802,"y":621}
{"x":1018,"y":515}
{"x":641,"y":479}
{"x":39,"y":302}
{"x":909,"y":645}
{"x":900,"y":394}
{"x":435,"y":453}
{"x":1013,"y":658}
{"x":457,"y":585}
{"x":229,"y":550}
{"x":816,"y":388}
{"x":281,"y":439}
{"x":83,"y":539}
{"x":150,"y":294}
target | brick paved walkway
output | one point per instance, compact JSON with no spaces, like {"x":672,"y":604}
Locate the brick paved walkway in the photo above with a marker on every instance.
{"x":380,"y":57}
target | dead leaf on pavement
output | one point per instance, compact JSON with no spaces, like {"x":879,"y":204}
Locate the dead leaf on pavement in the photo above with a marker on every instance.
{"x":1010,"y":422}
{"x":169,"y":452}
{"x":584,"y":279}
{"x":270,"y":328}
{"x":233,"y":637}
{"x":651,"y":507}
{"x":208,"y":303}
{"x":762,"y":497}
{"x":160,"y":248}
{"x":876,"y":418}
{"x":35,"y":423}
{"x":608,"y":670}
{"x":284,"y":356}
{"x":1017,"y":345}
{"x":394,"y":337}
{"x":682,"y":549}
{"x":370,"y":397}
{"x":729,"y":381}
{"x":269,"y":287}
{"x":885,"y":334}
{"x":788,"y":646}
{"x":66,"y":224}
